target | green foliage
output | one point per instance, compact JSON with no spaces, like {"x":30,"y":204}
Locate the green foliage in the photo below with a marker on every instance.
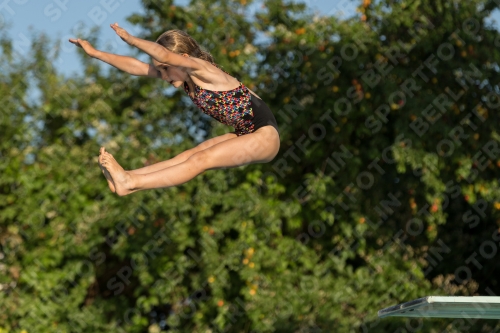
{"x":380,"y":193}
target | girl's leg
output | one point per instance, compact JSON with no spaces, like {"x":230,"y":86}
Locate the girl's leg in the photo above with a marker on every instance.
{"x":168,"y":163}
{"x":183,"y":156}
{"x":258,"y":147}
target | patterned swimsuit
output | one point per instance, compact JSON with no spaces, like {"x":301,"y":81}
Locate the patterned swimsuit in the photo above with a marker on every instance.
{"x":236,"y":107}
{"x":232,"y":107}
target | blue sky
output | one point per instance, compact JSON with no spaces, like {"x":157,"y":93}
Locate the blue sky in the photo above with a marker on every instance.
{"x":62,"y":19}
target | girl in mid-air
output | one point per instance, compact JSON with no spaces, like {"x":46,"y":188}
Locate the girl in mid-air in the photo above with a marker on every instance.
{"x":178,"y":59}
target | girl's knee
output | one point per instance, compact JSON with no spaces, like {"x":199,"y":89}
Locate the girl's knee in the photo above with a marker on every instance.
{"x":190,"y":152}
{"x":199,"y":160}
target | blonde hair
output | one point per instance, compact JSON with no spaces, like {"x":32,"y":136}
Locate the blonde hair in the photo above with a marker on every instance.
{"x":180,"y":42}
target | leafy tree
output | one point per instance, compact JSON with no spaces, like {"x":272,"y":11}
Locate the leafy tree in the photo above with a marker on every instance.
{"x":381,"y":193}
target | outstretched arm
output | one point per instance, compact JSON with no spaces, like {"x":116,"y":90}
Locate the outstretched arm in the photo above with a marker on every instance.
{"x":156,"y":51}
{"x":127,"y":64}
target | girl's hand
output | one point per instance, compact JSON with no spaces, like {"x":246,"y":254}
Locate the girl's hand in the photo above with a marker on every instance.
{"x":86,"y":46}
{"x":124,"y":35}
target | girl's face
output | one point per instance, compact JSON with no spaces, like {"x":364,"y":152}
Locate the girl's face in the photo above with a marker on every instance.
{"x":175,"y":76}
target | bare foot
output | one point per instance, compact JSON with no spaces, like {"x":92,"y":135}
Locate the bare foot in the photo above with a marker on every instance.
{"x":121,"y":179}
{"x":105,"y":172}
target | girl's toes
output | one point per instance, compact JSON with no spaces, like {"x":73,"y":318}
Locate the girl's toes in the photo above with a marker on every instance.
{"x":109,"y":158}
